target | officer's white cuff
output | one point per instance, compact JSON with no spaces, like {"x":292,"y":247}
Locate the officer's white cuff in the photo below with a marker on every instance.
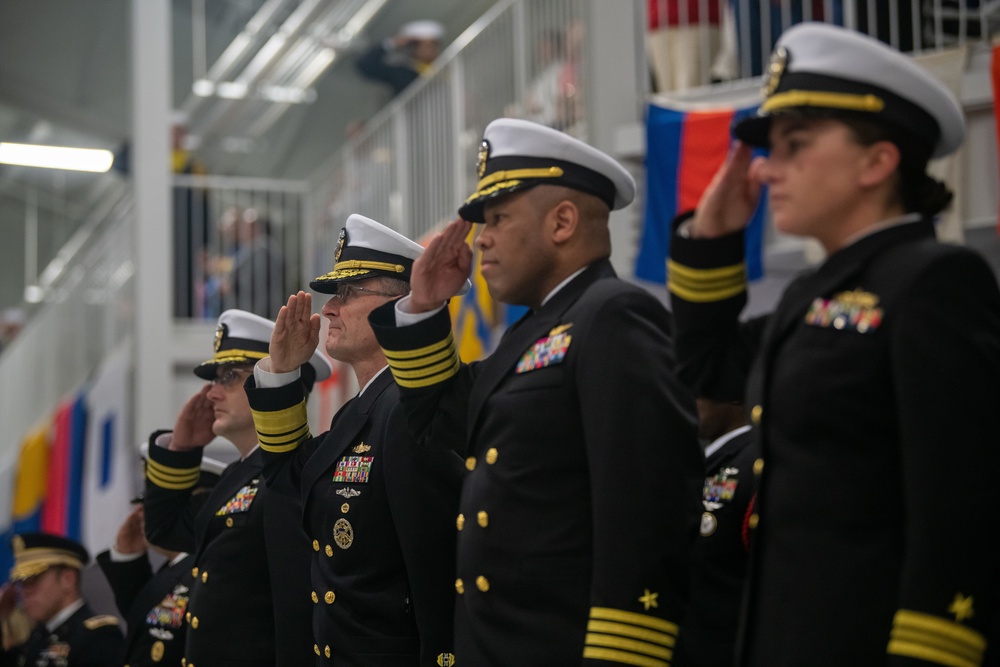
{"x":405,"y":318}
{"x":265,"y":379}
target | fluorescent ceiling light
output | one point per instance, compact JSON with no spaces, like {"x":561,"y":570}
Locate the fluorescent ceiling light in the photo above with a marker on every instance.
{"x":56,"y":157}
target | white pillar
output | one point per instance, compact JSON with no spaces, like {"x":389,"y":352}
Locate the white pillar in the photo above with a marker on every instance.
{"x":150,"y":165}
{"x":615,"y":70}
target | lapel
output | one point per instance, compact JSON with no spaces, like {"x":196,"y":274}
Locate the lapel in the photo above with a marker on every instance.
{"x":835,"y":274}
{"x":525,"y":333}
{"x":234,"y":477}
{"x":346,"y":425}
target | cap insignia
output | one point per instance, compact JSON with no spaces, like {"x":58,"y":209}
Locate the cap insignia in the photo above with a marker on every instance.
{"x":775,"y":68}
{"x":340,"y":244}
{"x":18,"y":544}
{"x":482,"y":157}
{"x":220,"y":335}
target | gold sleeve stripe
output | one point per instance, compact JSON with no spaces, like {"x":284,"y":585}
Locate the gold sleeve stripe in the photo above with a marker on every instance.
{"x":425,"y":366}
{"x":423,"y":361}
{"x":301,"y":433}
{"x":169,"y":481}
{"x":927,"y":654}
{"x":280,"y":449}
{"x":622,"y":657}
{"x":704,"y":285}
{"x":914,"y":638}
{"x":915,"y":634}
{"x":420,"y":352}
{"x":611,"y":641}
{"x":281,"y":421}
{"x":632,"y":618}
{"x":423,"y":371}
{"x":428,"y":381}
{"x":280,"y":444}
{"x":631,"y":631}
{"x":171,"y":478}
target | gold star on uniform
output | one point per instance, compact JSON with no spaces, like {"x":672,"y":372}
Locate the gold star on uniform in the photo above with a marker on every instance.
{"x":961,"y":606}
{"x":648,"y":599}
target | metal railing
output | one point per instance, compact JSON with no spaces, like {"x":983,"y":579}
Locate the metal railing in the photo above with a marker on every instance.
{"x":732,"y":39}
{"x":412,"y":163}
{"x":86,"y":314}
{"x":237,"y":244}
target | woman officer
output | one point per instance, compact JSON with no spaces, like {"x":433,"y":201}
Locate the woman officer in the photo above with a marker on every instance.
{"x":875,"y":383}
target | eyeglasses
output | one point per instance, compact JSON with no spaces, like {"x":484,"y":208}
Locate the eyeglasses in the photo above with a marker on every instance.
{"x":346,"y":291}
{"x":230,"y":376}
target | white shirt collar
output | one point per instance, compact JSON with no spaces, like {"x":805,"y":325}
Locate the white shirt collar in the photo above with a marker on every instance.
{"x":722,"y":440}
{"x":374,"y":377}
{"x":63,"y":615}
{"x":562,"y":284}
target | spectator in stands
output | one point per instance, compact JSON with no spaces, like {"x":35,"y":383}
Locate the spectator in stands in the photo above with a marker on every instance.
{"x":402,"y":59}
{"x":874,"y":384}
{"x":249,"y":272}
{"x":64,"y":631}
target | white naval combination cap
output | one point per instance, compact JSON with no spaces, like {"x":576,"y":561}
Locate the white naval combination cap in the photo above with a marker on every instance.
{"x":244,"y":338}
{"x":422,"y":30}
{"x":823,"y":66}
{"x":518,"y":154}
{"x":368,"y":249}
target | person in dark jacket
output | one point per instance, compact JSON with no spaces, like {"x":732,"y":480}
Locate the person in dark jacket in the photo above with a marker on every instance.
{"x":153,"y":604}
{"x":249,"y":603}
{"x":400,"y":60}
{"x":379,"y":509}
{"x":875,"y":381}
{"x":65,"y":631}
{"x":581,"y":499}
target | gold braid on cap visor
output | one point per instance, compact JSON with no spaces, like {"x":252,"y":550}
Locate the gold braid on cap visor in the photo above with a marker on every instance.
{"x":357,"y":267}
{"x":32,"y":562}
{"x":511,"y":177}
{"x":235,"y":356}
{"x":817,"y":98}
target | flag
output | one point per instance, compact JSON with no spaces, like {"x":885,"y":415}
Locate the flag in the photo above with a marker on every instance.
{"x":64,"y":478}
{"x":8,"y":468}
{"x":26,"y":487}
{"x":684,"y":149}
{"x":111,"y":463}
{"x":53,"y":518}
{"x":474,"y":314}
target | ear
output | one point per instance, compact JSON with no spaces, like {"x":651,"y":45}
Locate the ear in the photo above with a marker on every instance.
{"x":880,"y":163}
{"x":563,"y":220}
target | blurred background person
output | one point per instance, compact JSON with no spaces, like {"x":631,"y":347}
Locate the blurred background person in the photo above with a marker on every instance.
{"x":400,"y":60}
{"x":66,"y":632}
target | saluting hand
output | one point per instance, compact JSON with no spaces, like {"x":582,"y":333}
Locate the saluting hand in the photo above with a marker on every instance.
{"x":295,"y":335}
{"x":438,"y":274}
{"x":193,"y":427}
{"x":131,"y":538}
{"x":731,"y":197}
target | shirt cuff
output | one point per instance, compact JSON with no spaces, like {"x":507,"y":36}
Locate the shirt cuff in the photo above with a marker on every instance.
{"x":405,"y":318}
{"x":119,"y":557}
{"x":268,"y":380}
